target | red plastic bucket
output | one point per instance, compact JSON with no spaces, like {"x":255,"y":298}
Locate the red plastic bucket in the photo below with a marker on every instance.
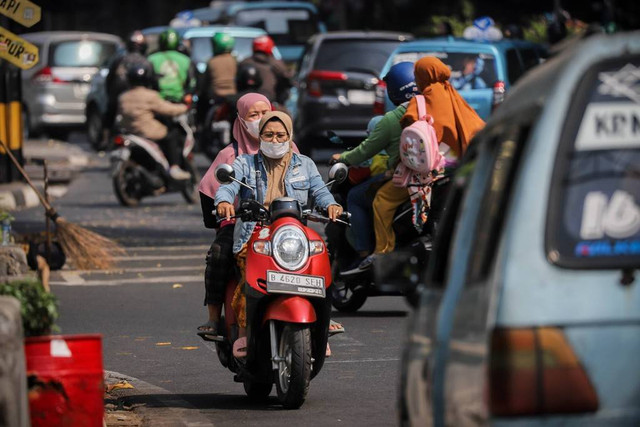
{"x":66,"y":383}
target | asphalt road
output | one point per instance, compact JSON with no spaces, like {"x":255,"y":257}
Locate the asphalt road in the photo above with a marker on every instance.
{"x":148,"y":309}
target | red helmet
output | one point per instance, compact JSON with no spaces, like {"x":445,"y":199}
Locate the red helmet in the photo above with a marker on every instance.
{"x":263,"y":44}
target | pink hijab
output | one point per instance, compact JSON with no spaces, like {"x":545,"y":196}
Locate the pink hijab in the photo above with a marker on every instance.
{"x":247,"y":144}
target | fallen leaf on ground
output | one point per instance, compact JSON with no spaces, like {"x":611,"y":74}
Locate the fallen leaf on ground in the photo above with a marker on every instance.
{"x":189,"y":348}
{"x":163,"y":343}
{"x":177,"y":285}
{"x":119,"y":385}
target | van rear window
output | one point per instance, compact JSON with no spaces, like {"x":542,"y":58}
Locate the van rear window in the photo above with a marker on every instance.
{"x":594,"y":218}
{"x":81,"y":53}
{"x":469,"y":70}
{"x":284,"y":25}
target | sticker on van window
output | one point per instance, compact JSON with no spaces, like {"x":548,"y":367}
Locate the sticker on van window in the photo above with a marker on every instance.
{"x":609,"y":125}
{"x":622,"y":83}
{"x":618,"y":217}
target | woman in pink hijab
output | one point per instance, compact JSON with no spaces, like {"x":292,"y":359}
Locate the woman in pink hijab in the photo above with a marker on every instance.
{"x":251,"y":107}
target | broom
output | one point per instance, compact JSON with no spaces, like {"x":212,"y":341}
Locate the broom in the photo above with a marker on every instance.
{"x":89,"y":250}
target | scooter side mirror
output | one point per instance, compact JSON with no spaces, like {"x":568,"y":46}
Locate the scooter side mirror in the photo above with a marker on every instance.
{"x":224,"y":173}
{"x":338,"y":172}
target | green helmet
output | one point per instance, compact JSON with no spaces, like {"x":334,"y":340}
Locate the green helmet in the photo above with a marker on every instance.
{"x":169,"y":39}
{"x":222,"y":43}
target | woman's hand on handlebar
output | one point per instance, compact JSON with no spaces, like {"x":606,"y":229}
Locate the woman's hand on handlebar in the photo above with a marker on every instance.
{"x":225,"y":210}
{"x":334,"y":211}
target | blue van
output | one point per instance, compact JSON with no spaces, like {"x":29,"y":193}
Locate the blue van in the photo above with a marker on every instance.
{"x":482,"y":71}
{"x":529,"y":313}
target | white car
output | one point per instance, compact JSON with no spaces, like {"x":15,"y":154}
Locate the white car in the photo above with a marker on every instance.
{"x":54,"y":91}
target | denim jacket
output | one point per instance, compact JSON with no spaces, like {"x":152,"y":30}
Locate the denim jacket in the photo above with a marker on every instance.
{"x":300,"y":181}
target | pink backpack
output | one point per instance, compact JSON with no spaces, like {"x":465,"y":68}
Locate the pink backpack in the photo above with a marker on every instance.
{"x":419,"y":153}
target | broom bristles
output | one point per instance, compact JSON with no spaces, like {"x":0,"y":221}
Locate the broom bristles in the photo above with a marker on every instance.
{"x":89,"y":250}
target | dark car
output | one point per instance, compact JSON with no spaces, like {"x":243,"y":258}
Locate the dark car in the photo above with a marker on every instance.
{"x":337,"y":80}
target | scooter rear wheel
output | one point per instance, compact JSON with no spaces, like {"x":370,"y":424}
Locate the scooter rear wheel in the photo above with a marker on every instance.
{"x":294,"y":369}
{"x":257,"y":391}
{"x":127,"y":184}
{"x":190,"y":190}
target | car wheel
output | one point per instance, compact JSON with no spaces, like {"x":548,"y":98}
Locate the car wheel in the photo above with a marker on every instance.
{"x":95,"y":130}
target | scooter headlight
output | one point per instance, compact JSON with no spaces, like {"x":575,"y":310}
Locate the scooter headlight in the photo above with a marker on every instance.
{"x":290,"y":247}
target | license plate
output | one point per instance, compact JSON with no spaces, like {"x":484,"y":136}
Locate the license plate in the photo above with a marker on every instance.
{"x":361,"y":97}
{"x":296,"y":284}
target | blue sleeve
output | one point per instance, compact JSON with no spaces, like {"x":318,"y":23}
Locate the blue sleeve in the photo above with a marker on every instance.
{"x":323,"y":197}
{"x":228,"y":192}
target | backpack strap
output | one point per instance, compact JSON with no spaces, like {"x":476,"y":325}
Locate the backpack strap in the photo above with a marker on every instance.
{"x":234,"y":144}
{"x":422,"y":107}
{"x":256,"y":164}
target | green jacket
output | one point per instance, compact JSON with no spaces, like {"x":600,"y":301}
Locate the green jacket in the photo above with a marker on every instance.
{"x":174,"y":75}
{"x":385,"y":136}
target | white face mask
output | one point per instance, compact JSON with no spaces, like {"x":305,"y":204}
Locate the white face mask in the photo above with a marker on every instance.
{"x":251,"y":127}
{"x":274,"y":150}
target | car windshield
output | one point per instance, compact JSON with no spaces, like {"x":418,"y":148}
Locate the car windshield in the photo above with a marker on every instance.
{"x":468,"y":70}
{"x":81,"y":53}
{"x":202,"y":50}
{"x":354,"y":55}
{"x":285,"y":26}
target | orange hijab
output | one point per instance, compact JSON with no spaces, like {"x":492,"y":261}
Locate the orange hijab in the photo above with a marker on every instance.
{"x":454,"y":120}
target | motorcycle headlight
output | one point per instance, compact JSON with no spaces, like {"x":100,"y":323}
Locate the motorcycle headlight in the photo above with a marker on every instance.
{"x":290,"y":247}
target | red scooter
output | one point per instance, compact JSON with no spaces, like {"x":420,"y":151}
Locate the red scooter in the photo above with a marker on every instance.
{"x":288,"y":301}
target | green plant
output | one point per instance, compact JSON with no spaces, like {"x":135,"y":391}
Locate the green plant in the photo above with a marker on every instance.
{"x":6,"y":216}
{"x":39,"y":308}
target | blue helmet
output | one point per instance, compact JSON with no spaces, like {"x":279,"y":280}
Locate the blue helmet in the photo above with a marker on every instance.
{"x":401,"y":85}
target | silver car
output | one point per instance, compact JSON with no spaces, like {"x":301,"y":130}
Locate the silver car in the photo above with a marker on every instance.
{"x":55,"y":90}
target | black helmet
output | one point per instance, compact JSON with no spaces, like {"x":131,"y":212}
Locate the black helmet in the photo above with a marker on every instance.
{"x":137,"y":43}
{"x":248,"y":77}
{"x":139,"y":75}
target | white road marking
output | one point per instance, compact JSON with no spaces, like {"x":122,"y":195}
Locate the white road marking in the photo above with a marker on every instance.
{"x":71,"y":277}
{"x":133,"y":258}
{"x":117,"y":282}
{"x":394,"y":359}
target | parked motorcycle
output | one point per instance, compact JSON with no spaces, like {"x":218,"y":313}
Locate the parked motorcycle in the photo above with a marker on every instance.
{"x":288,"y":299}
{"x":140,"y":168}
{"x":394,"y":274}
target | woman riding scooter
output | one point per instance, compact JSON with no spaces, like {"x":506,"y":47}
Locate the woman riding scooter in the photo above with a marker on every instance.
{"x":138,"y":107}
{"x":282,"y":173}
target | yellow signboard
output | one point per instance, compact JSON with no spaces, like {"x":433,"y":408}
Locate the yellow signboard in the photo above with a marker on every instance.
{"x":22,"y":11}
{"x":16,"y":50}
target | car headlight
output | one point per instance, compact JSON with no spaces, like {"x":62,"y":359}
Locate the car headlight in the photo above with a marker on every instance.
{"x":290,"y":247}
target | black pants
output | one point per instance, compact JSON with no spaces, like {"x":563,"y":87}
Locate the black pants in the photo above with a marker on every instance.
{"x":220,"y":266}
{"x":171,"y":145}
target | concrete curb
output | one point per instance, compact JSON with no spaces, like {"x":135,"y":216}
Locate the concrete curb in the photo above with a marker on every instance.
{"x":159,"y":406}
{"x":17,"y":195}
{"x":65,"y":159}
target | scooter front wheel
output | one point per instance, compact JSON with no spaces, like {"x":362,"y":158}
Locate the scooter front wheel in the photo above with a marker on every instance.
{"x":294,"y":365}
{"x":345,"y":299}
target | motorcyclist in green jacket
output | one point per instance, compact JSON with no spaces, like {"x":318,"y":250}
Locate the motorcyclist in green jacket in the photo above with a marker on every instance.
{"x":176,"y":74}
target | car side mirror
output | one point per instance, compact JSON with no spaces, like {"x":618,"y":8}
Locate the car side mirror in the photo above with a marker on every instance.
{"x":224,"y":173}
{"x":338,"y":173}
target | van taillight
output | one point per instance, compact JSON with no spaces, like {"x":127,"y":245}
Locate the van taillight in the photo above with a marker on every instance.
{"x":45,"y":75}
{"x":535,"y":371}
{"x":378,"y":105}
{"x":315,"y":77}
{"x":498,"y":94}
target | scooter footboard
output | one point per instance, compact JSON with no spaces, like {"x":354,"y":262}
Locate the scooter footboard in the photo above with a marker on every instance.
{"x":293,"y":309}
